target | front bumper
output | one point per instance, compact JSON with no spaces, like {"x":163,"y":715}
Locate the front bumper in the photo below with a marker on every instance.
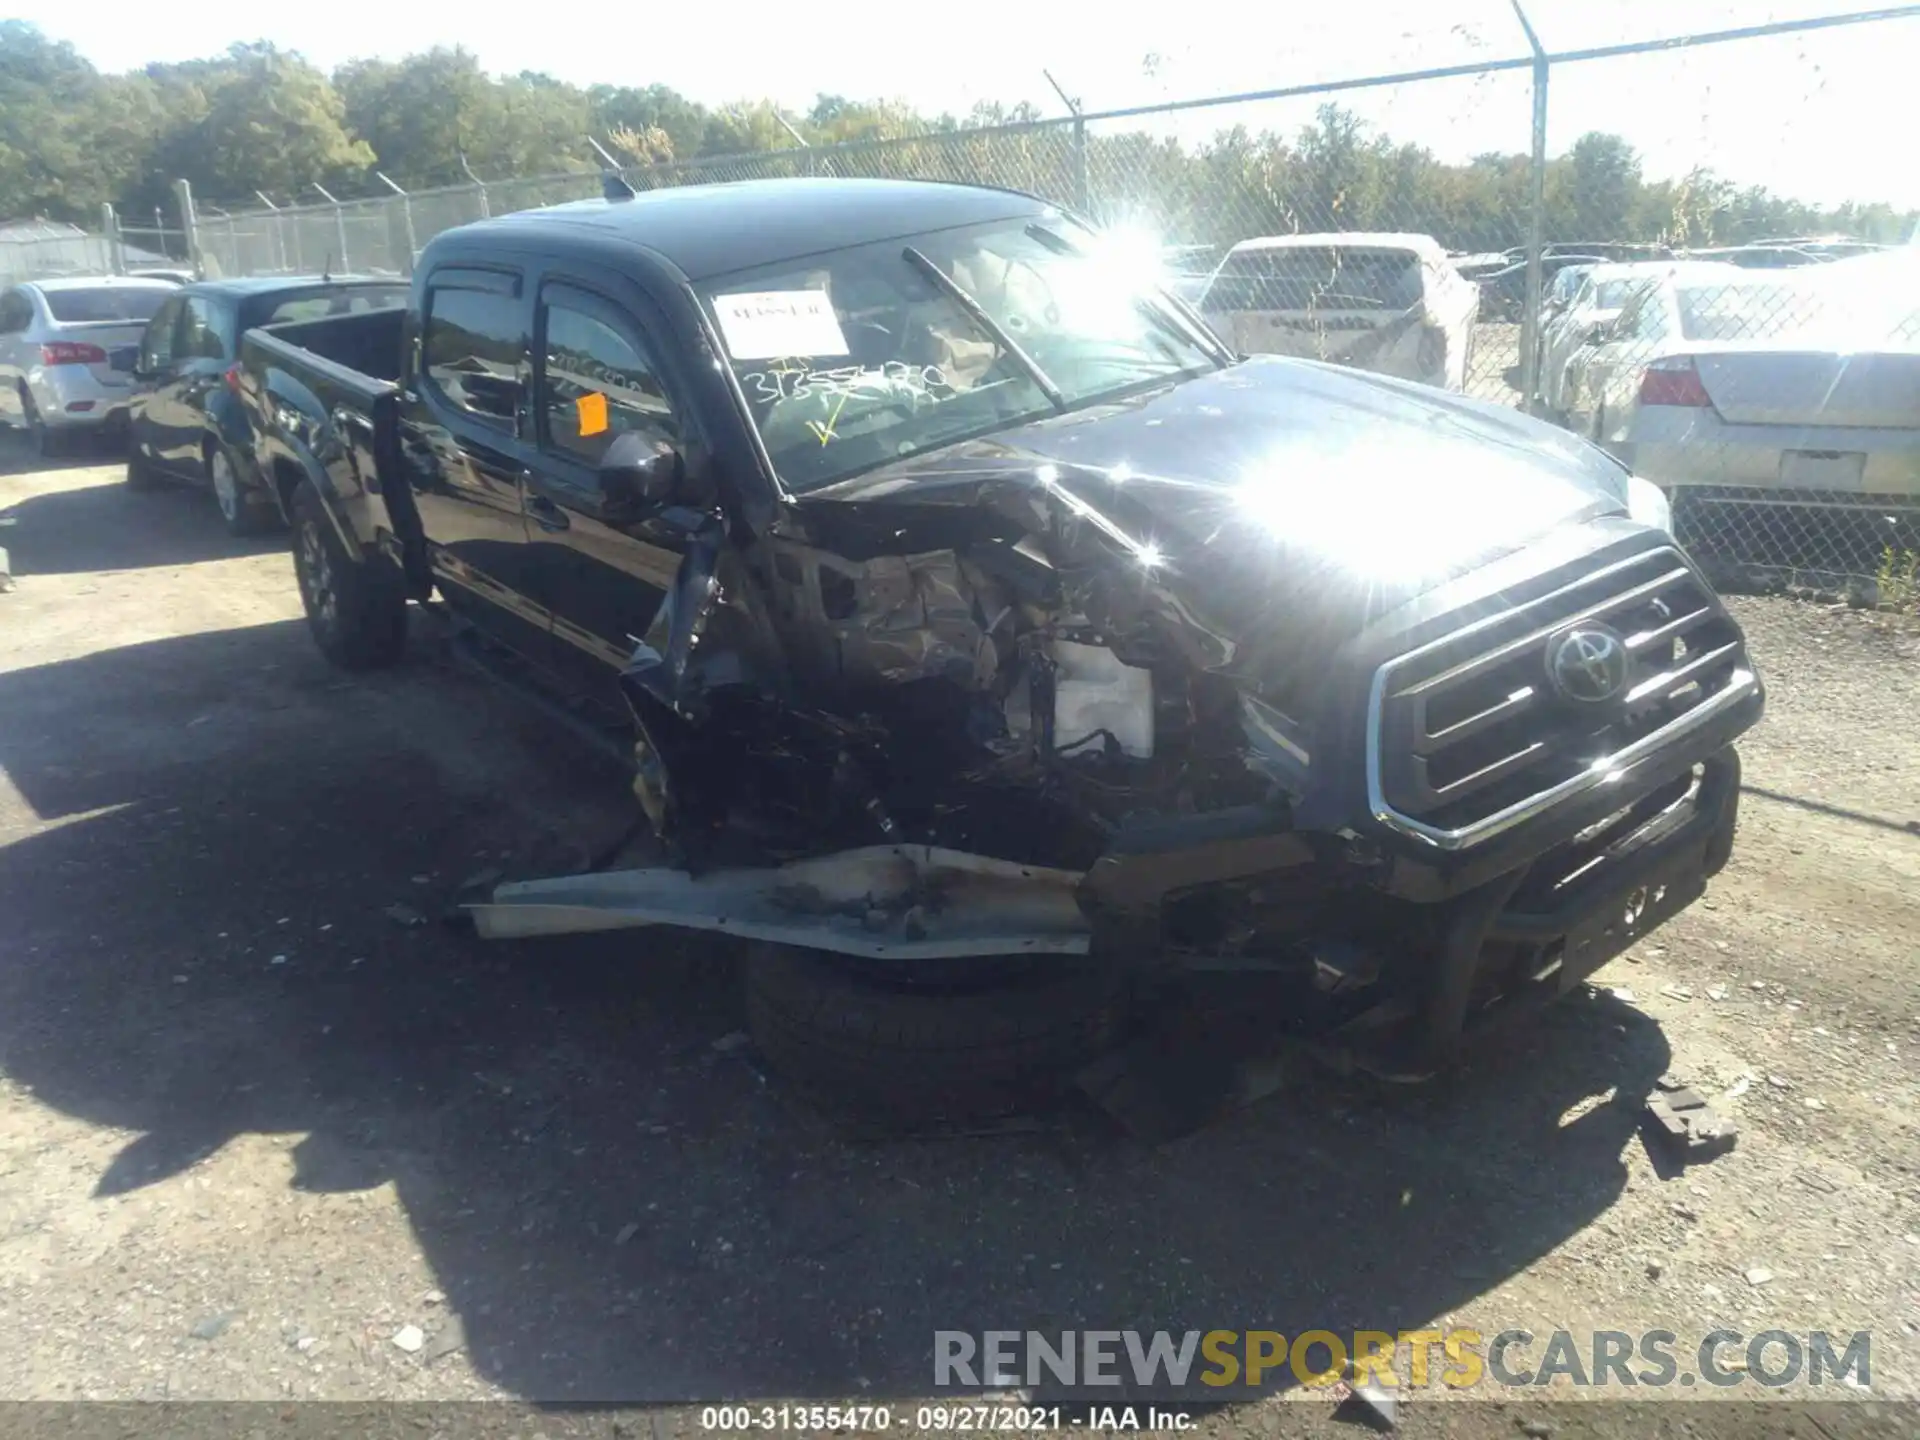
{"x":1528,"y":937}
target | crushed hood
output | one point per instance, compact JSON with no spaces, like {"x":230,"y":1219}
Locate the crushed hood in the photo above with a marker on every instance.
{"x":1278,"y":500}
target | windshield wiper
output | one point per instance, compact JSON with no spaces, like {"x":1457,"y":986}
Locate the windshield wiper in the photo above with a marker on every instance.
{"x":1163,"y":311}
{"x":949,"y":287}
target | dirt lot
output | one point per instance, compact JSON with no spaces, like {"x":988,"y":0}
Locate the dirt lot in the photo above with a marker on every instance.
{"x":251,"y":1126}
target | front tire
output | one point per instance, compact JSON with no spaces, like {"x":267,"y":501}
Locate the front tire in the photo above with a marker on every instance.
{"x":911,"y":1054}
{"x":356,"y":609}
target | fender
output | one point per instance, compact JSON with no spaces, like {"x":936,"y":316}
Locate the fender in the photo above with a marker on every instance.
{"x":227,"y":424}
{"x":227,"y":420}
{"x":297,"y":440}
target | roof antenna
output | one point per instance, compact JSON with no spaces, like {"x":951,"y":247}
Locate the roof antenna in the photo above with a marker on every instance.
{"x":613,"y":186}
{"x":326,"y":270}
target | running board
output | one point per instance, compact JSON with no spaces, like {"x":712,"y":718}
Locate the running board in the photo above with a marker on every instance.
{"x":896,"y":902}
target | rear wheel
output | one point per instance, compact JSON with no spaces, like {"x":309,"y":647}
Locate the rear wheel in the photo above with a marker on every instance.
{"x":239,"y":508}
{"x":356,"y":609}
{"x":45,"y":439}
{"x":140,"y":472}
{"x":961,"y":1040}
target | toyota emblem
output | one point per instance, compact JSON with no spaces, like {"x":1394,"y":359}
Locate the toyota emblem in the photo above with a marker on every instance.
{"x":1588,"y":664}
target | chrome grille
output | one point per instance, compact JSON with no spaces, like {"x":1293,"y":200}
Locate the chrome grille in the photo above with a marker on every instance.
{"x":1470,"y":736}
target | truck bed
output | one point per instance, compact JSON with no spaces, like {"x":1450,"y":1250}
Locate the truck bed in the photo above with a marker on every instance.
{"x":322,"y":399}
{"x":361,"y":350}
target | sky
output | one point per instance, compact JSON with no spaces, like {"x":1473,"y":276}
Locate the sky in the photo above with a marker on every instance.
{"x":1823,"y":116}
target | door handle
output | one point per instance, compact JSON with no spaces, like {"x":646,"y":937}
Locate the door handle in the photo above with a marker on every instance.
{"x":544,"y":513}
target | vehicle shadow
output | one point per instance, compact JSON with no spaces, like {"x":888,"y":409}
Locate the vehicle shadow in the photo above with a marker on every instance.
{"x":105,"y":526}
{"x":615,"y":1206}
{"x":18,"y":456}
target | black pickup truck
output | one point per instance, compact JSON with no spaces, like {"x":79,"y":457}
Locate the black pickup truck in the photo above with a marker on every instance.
{"x":999,"y":644}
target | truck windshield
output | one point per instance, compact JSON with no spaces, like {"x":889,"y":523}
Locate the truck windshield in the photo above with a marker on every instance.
{"x":856,"y":357}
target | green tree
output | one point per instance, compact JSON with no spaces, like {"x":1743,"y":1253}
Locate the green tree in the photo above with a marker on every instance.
{"x":272,"y":121}
{"x":258,"y":118}
{"x":420,"y":114}
{"x":643,"y":110}
{"x":51,"y":113}
{"x":1602,"y":182}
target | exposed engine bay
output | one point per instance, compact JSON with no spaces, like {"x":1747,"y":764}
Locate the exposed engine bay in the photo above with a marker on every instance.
{"x":992,"y":696}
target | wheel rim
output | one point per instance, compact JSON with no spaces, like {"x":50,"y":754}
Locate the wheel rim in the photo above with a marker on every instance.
{"x":316,"y":575}
{"x":224,"y":489}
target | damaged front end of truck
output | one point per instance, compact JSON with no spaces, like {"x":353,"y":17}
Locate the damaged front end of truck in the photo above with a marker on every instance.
{"x":1382,"y":693}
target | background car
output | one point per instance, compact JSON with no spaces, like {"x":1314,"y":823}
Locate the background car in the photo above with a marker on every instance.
{"x":1602,"y":371}
{"x":186,"y":420}
{"x":1794,"y":397}
{"x":1586,"y":320}
{"x":1761,"y":257}
{"x":1503,"y":292}
{"x":1385,"y":302}
{"x":1189,"y":267}
{"x":56,"y":344}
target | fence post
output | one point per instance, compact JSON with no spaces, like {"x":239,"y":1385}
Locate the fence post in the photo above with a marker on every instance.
{"x":1083,"y":202}
{"x":339,"y":226}
{"x":279,"y":242}
{"x":798,"y":139}
{"x":1536,"y":222}
{"x":406,"y":215}
{"x":486,"y":209}
{"x":218,"y":266}
{"x":189,"y":223}
{"x":110,"y":232}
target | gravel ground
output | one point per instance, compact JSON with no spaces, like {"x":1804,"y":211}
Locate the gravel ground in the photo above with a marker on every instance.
{"x":252,"y":1127}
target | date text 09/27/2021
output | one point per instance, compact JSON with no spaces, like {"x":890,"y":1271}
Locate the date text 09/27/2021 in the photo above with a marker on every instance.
{"x":958,"y":1418}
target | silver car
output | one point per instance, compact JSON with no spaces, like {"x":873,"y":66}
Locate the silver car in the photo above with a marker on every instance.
{"x":1585,"y":319}
{"x":57,"y":339}
{"x":1787,"y":391}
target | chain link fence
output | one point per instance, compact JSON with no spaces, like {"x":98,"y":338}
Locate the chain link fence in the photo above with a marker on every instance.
{"x":1771,"y":389}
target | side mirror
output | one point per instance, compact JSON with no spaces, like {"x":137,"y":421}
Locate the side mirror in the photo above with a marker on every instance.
{"x":1596,"y":334}
{"x":640,"y":474}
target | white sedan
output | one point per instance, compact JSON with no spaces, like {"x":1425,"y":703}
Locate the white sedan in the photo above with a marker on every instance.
{"x":1586,"y":319}
{"x":1779,"y":391}
{"x":57,"y":339}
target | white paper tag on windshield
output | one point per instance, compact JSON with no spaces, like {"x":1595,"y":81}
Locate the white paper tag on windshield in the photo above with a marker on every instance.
{"x":771,"y":324}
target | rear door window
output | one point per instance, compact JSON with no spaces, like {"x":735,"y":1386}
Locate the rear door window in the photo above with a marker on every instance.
{"x":157,"y":345}
{"x":1650,"y":324}
{"x":472,"y":346}
{"x":205,"y":331}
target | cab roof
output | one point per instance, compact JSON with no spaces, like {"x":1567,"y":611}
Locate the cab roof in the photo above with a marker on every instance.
{"x":712,"y":230}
